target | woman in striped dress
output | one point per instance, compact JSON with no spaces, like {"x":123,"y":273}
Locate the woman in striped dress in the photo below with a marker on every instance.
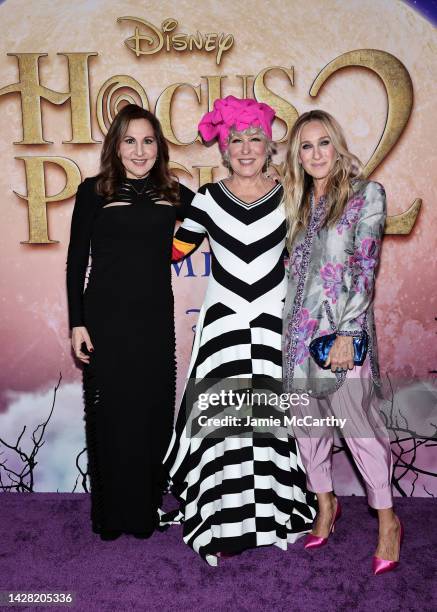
{"x":237,"y":486}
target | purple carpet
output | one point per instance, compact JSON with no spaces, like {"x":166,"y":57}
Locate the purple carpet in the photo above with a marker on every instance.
{"x":47,"y":545}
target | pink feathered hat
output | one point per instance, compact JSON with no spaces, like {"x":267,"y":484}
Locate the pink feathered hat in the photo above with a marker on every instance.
{"x":240,"y":114}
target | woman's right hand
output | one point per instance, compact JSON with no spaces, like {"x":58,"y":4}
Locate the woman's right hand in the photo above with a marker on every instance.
{"x":80,"y":335}
{"x":341,"y":355}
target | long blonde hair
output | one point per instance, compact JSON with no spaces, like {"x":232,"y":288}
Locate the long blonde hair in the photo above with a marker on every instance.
{"x":298,"y":184}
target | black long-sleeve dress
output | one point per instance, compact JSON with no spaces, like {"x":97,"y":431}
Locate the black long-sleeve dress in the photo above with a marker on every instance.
{"x":127,"y":308}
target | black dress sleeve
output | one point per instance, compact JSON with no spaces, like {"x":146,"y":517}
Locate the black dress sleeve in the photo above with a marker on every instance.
{"x":79,"y":248}
{"x":185,"y":198}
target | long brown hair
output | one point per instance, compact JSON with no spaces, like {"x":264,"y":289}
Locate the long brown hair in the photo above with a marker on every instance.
{"x":298,"y":184}
{"x":112,"y":171}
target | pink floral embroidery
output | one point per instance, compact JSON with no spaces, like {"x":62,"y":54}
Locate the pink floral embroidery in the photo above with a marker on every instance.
{"x":332,"y":275}
{"x":350,"y":214}
{"x":304,"y":333}
{"x":363,"y":263}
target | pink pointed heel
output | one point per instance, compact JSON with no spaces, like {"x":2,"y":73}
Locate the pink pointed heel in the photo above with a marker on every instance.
{"x":382,"y":566}
{"x":312,"y":541}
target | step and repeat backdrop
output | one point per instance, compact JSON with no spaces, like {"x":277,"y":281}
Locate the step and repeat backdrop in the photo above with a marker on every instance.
{"x":66,"y":67}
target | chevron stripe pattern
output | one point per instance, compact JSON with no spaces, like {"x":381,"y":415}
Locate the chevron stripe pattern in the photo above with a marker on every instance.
{"x":237,"y":492}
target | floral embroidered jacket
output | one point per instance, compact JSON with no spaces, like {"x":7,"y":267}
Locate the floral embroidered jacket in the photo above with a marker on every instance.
{"x":331,"y":286}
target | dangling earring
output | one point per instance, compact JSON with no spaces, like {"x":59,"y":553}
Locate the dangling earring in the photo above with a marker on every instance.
{"x":267,"y":167}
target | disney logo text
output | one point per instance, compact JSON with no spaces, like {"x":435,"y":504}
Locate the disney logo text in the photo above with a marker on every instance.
{"x":164,"y":39}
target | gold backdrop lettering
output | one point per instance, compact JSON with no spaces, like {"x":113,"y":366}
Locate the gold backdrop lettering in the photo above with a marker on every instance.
{"x":165,"y":39}
{"x":214,"y":85}
{"x":399,"y":90}
{"x":31,"y":92}
{"x":284,"y":110}
{"x":120,"y":89}
{"x":244,"y":78}
{"x":113,"y":92}
{"x":205,"y":174}
{"x":37,"y":199}
{"x":163,"y":111}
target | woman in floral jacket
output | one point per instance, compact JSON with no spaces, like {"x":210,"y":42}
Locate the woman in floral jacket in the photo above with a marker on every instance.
{"x":335,"y":227}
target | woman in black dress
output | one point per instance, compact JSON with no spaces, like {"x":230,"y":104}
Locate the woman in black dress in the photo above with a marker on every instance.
{"x":123,"y":325}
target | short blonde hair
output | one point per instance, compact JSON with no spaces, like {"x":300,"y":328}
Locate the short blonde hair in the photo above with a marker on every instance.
{"x":251,"y":131}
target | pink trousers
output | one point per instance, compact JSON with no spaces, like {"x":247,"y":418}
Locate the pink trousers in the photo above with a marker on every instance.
{"x":363,"y":430}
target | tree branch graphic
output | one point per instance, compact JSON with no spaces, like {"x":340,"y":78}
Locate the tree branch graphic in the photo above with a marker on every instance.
{"x":23,"y":480}
{"x":83,"y":475}
{"x":405,"y":443}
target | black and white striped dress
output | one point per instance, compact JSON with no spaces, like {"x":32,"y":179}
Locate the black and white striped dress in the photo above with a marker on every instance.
{"x":242,"y":491}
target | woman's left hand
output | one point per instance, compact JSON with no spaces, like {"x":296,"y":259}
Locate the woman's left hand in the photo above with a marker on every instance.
{"x":341,"y":355}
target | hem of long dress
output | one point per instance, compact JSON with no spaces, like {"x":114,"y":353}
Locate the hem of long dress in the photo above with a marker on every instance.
{"x":92,"y":402}
{"x":292,"y":538}
{"x":176,"y":517}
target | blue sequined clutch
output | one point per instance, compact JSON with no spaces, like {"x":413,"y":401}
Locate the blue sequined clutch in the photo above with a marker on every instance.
{"x":319,"y":349}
